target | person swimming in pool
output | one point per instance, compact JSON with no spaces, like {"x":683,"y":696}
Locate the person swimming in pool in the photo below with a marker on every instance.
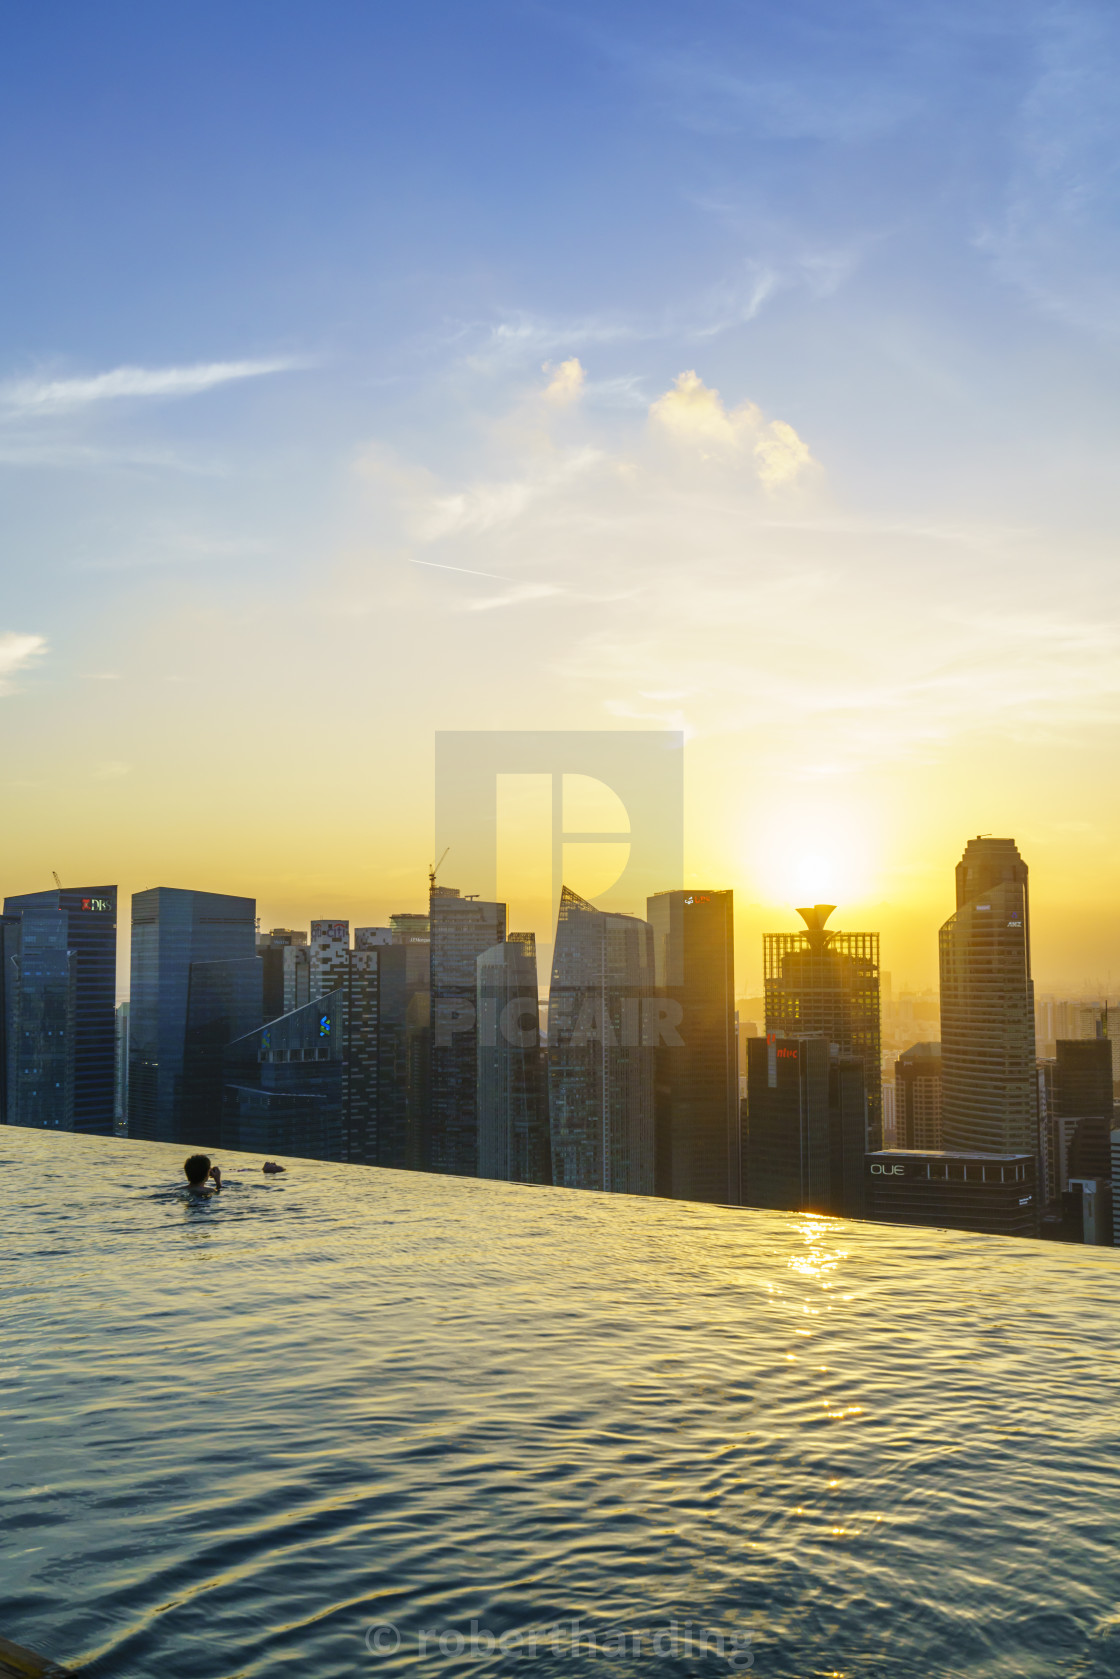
{"x":199,"y":1171}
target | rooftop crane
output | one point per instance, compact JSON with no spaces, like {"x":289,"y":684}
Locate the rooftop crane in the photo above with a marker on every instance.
{"x":435,"y":868}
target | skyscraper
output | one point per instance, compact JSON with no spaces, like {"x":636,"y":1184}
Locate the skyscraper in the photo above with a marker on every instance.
{"x":171,"y":929}
{"x":513,"y":1135}
{"x":403,"y":971}
{"x":461,"y":929}
{"x":601,"y":1050}
{"x":988,"y":1093}
{"x":361,"y":995}
{"x":120,"y":1104}
{"x":697,"y":1079}
{"x":806,"y":1126}
{"x":787,"y":1149}
{"x":224,"y":1001}
{"x":828,"y":982}
{"x":284,"y":1084}
{"x":917,"y":1096}
{"x":286,"y":960}
{"x":330,"y":946}
{"x":1083,"y":1095}
{"x":61,"y":999}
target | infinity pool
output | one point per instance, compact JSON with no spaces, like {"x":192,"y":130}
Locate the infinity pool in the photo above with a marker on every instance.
{"x":358,"y":1422}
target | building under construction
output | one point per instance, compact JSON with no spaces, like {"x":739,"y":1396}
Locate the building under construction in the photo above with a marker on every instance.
{"x":825,"y":981}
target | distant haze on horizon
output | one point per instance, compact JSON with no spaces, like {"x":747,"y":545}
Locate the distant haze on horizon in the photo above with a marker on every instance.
{"x":746,"y":372}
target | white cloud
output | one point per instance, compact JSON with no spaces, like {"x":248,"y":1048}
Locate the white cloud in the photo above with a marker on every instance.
{"x":30,"y":397}
{"x":693,"y":412}
{"x":16,"y":653}
{"x":567,"y":382}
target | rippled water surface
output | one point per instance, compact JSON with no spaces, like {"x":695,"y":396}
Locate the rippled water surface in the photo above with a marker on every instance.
{"x":277,"y":1431}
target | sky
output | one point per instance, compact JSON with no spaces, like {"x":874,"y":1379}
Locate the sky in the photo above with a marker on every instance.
{"x":369,"y":370}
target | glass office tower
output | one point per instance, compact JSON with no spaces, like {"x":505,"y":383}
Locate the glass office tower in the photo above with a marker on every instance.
{"x":461,"y":929}
{"x":513,"y":1137}
{"x":600,"y":1053}
{"x":171,"y":929}
{"x":989,"y":1097}
{"x":40,"y":996}
{"x":697,"y":1078}
{"x":284,"y":1084}
{"x":76,"y":928}
{"x":224,"y":1001}
{"x":828,"y":982}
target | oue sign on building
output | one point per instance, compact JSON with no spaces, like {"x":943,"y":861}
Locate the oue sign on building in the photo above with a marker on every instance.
{"x":880,"y":1171}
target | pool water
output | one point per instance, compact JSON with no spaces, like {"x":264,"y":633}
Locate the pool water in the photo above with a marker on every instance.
{"x":346,"y":1421}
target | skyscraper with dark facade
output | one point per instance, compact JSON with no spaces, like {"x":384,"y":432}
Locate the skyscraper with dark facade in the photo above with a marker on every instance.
{"x":697,"y":1099}
{"x":602,"y":1041}
{"x":787,"y":1146}
{"x":1083,"y":1096}
{"x":513,"y":1135}
{"x":284,"y":1084}
{"x":224,"y":1001}
{"x":60,"y":958}
{"x":403,"y":1049}
{"x":827,"y":982}
{"x":171,"y":930}
{"x":460,"y":930}
{"x":806,"y":1128}
{"x":989,"y":1098}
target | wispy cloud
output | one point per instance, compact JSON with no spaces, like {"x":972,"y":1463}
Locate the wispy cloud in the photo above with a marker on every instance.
{"x":522,"y":336}
{"x":29,"y":397}
{"x":16,"y":653}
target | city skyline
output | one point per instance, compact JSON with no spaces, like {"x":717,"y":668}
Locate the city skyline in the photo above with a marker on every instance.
{"x":751,"y":920}
{"x":807,"y":450}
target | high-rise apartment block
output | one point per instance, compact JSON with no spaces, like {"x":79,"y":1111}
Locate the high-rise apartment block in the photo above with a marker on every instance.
{"x":59,"y":953}
{"x":697,"y":1100}
{"x":989,"y":1079}
{"x":329,"y":950}
{"x":827,"y":982}
{"x":602,"y":1039}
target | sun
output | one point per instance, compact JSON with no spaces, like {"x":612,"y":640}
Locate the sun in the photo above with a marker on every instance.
{"x":836,"y":866}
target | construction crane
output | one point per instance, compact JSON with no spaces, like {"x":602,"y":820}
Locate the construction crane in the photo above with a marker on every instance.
{"x":57,"y":882}
{"x":435,"y":868}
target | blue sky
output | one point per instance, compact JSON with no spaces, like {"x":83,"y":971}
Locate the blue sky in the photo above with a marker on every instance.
{"x":285,"y":288}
